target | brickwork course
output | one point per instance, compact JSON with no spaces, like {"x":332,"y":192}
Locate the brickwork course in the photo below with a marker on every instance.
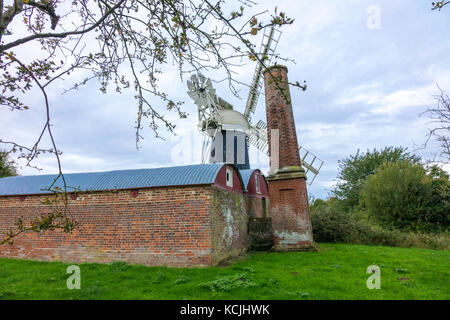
{"x":280,"y":116}
{"x":289,"y":208}
{"x":181,"y":226}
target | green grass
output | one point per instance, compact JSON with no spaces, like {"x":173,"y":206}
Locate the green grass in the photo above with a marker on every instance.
{"x":336,"y":272}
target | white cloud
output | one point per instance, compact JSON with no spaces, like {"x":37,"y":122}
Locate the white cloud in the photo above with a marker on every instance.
{"x":365,"y":91}
{"x":398,"y":100}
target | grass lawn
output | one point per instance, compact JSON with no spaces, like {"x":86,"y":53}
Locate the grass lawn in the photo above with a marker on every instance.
{"x":336,"y":272}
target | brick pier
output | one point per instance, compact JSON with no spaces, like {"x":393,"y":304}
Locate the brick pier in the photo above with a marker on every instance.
{"x":287,"y":180}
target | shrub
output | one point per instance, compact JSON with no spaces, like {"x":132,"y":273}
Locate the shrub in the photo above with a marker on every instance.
{"x":355,"y":169}
{"x":402,"y":195}
{"x":437,"y":212}
{"x":333,"y":227}
{"x":343,"y":227}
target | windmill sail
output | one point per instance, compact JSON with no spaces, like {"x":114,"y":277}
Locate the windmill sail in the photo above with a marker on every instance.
{"x":258,"y":138}
{"x":212,"y":110}
{"x":311,"y":163}
{"x":268,"y":46}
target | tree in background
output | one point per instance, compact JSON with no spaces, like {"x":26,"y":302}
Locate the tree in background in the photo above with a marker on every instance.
{"x":7,"y":166}
{"x":439,"y":123}
{"x":405,"y":195}
{"x":440,"y":114}
{"x":354,"y":170}
{"x":437,"y":215}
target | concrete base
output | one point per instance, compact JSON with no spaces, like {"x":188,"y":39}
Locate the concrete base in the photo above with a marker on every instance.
{"x":290,"y":172}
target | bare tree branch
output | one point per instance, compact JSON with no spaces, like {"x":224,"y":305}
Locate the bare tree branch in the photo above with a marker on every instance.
{"x":438,"y":5}
{"x":439,"y":123}
{"x":124,"y":45}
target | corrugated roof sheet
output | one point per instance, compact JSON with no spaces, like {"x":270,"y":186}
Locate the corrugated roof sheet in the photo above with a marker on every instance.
{"x":110,"y":180}
{"x":246,"y":174}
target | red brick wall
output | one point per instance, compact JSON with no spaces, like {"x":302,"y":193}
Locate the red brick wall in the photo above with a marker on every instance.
{"x":258,"y":206}
{"x":229,"y":224}
{"x":280,"y":116}
{"x":289,"y":207}
{"x":289,"y":211}
{"x":255,"y":207}
{"x":161,"y":226}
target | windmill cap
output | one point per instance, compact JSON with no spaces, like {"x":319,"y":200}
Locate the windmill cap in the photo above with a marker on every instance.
{"x":232,"y":119}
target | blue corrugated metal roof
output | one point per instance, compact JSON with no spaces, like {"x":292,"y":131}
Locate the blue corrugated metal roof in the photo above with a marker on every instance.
{"x":246,"y":174}
{"x":120,"y":179}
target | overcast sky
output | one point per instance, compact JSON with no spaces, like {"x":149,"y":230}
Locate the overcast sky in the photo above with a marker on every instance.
{"x":368,"y":81}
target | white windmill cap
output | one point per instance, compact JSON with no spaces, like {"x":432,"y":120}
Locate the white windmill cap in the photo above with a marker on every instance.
{"x":232,"y":120}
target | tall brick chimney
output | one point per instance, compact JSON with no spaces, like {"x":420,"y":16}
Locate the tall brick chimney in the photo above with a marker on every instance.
{"x":289,"y":207}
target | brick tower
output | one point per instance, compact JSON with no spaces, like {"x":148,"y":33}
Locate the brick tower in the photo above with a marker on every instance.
{"x":289,"y":207}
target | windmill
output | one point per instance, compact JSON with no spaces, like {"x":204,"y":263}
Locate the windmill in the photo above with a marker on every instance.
{"x":224,"y":129}
{"x":220,"y":123}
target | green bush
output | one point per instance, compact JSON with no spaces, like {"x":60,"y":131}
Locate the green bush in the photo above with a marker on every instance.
{"x":403,"y":195}
{"x":333,"y":227}
{"x":344,"y":227}
{"x":437,"y":212}
{"x":7,"y":166}
{"x":354,"y":170}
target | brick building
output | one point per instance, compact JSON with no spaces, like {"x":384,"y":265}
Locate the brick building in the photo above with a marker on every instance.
{"x":176,"y":216}
{"x":257,"y":193}
{"x":197,"y":215}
